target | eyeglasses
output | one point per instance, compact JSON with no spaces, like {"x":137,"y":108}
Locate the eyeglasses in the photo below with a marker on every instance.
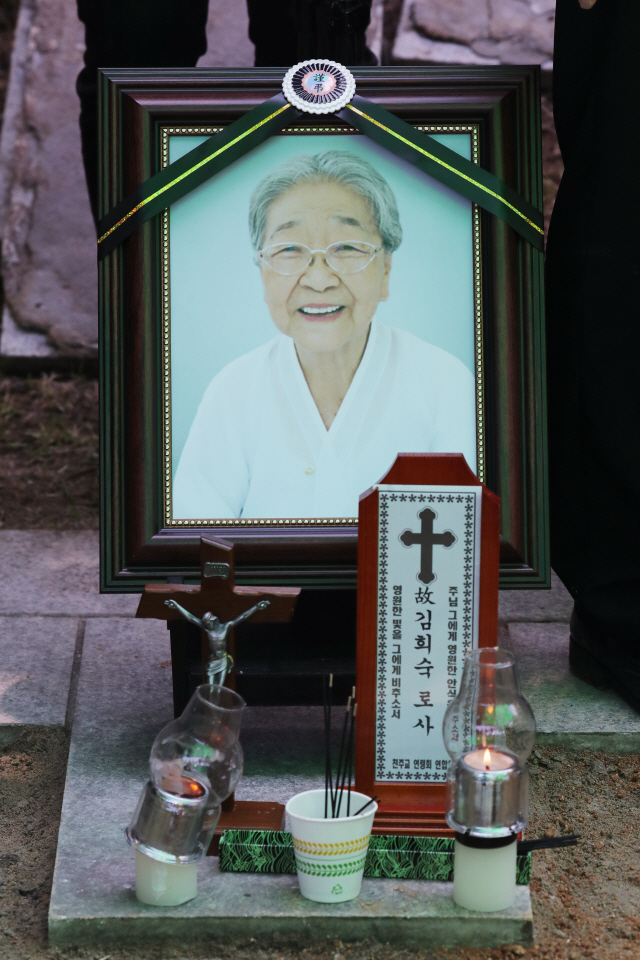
{"x":346,"y":256}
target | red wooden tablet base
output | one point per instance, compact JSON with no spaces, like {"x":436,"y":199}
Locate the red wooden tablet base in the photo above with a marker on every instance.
{"x":415,"y":809}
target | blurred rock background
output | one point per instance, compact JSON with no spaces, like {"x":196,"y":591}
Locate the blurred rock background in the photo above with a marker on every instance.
{"x":48,"y":241}
{"x":480,"y":32}
{"x":48,"y":244}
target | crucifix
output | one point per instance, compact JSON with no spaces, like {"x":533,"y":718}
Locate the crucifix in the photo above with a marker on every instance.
{"x":219,"y":662}
{"x":427,"y":539}
{"x":216,"y":606}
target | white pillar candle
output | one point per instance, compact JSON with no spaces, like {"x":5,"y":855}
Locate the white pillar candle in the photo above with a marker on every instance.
{"x":484,"y":878}
{"x":165,"y":884}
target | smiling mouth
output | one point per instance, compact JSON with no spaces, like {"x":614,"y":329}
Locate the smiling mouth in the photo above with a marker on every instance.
{"x":324,"y":311}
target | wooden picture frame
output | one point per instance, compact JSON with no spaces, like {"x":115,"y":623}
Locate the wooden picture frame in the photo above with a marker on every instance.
{"x":500,"y":105}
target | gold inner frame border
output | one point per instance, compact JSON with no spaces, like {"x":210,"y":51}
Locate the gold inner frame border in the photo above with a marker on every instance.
{"x":199,"y":130}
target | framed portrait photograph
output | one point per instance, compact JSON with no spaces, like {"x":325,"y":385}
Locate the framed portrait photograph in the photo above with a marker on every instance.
{"x":271,"y":341}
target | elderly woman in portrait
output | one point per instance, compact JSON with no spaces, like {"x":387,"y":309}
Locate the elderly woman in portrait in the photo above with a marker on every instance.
{"x":304,"y":424}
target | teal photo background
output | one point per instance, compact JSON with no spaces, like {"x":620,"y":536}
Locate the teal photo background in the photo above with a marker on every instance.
{"x":217,"y":308}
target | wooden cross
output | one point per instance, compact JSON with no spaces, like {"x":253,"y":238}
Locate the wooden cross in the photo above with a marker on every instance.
{"x":219,"y":594}
{"x":427,"y":539}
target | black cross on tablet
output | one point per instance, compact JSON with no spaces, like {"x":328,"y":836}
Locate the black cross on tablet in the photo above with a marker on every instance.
{"x":427,"y":540}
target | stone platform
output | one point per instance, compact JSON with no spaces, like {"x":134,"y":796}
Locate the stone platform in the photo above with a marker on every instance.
{"x":124,"y":698}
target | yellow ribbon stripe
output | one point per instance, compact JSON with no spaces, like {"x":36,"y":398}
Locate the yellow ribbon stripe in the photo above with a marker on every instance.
{"x":447,"y":166}
{"x":189,"y":172}
{"x":330,"y":849}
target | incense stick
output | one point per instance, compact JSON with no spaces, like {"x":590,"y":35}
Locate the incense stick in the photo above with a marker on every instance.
{"x":342,"y":759}
{"x":341,"y":756}
{"x":365,"y":805}
{"x":350,"y":764}
{"x":346,"y":755}
{"x":345,"y":764}
{"x":325,"y":713}
{"x":548,"y":843}
{"x":328,"y":774}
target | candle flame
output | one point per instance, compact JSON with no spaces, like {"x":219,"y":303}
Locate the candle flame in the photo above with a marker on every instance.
{"x":487,"y":759}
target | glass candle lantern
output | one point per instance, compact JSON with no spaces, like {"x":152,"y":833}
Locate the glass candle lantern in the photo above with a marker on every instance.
{"x":489,"y":731}
{"x":196,"y":762}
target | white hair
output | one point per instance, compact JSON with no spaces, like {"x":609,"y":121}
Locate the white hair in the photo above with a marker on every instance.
{"x":339,"y":166}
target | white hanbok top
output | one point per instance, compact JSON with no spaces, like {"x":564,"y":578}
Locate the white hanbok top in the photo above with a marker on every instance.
{"x":258,"y":446}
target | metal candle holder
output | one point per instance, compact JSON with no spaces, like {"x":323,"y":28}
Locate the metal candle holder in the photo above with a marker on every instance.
{"x":172,"y":827}
{"x":196,"y":762}
{"x":489,"y":731}
{"x":487,"y":803}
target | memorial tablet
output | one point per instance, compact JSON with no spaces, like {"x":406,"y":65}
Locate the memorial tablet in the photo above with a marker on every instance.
{"x":427,"y":594}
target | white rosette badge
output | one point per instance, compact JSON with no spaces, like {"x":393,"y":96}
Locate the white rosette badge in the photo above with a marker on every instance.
{"x":319,"y":86}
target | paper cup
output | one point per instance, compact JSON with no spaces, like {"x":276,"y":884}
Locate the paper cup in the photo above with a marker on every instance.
{"x":330,"y":854}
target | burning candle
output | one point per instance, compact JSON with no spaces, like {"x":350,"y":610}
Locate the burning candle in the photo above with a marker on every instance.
{"x":487,"y":792}
{"x":488,"y":760}
{"x":489,"y":731}
{"x":488,"y":787}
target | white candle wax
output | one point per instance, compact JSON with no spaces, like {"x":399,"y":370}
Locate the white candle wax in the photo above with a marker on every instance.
{"x":486,"y":759}
{"x":484,"y":879}
{"x":165,"y":884}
